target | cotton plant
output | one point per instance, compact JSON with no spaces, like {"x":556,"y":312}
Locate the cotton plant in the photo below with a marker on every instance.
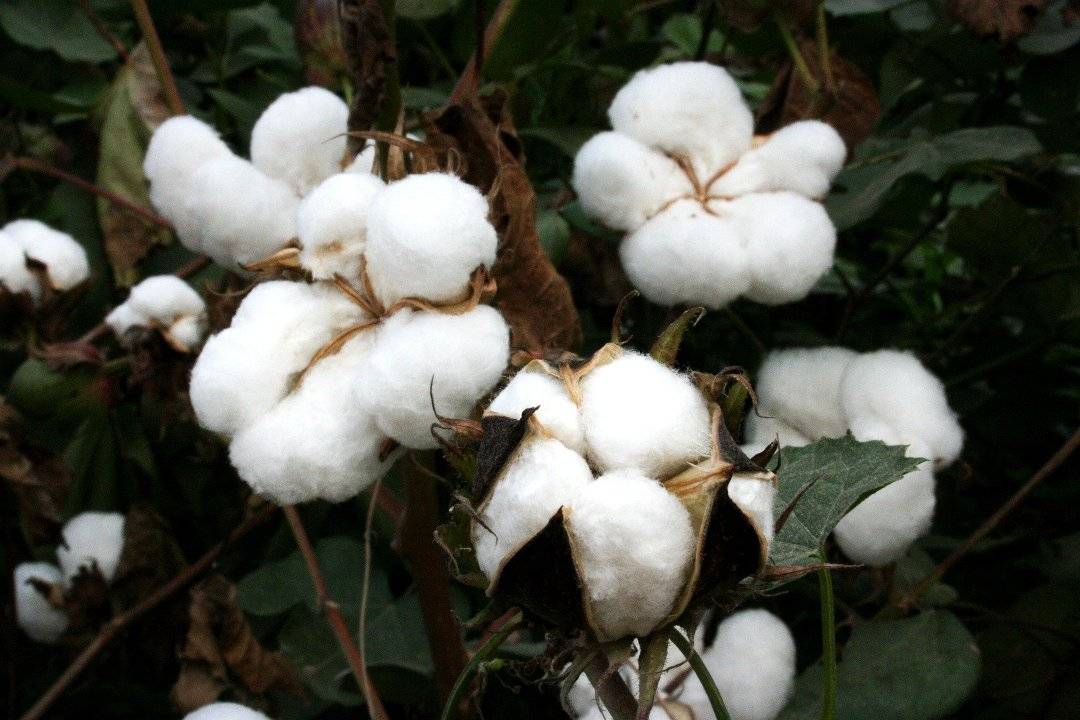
{"x":37,"y":260}
{"x":888,"y":395}
{"x":165,"y":304}
{"x":225,"y":711}
{"x":710,"y":211}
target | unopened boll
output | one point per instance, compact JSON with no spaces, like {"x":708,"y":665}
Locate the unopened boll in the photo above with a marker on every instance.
{"x":91,"y":539}
{"x":635,"y":545}
{"x":752,"y":661}
{"x":332,"y":225}
{"x":15,"y":276}
{"x":225,"y":711}
{"x":33,"y":611}
{"x":64,"y":259}
{"x":642,"y":415}
{"x":555,"y":411}
{"x":165,"y":302}
{"x":542,"y":476}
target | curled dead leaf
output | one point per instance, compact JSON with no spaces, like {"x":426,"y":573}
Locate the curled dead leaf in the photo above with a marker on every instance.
{"x":38,"y":480}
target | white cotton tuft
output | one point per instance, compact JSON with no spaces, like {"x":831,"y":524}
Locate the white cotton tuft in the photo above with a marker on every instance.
{"x":331,"y":224}
{"x":426,"y":235}
{"x":33,"y":611}
{"x":634,"y":543}
{"x":623,"y":183}
{"x":123,"y":318}
{"x":542,"y":476}
{"x":642,"y":415}
{"x":179,"y":147}
{"x":165,"y":302}
{"x":692,"y":109}
{"x":800,"y":388}
{"x":802,"y":157}
{"x":685,"y":255}
{"x":789,"y":241}
{"x":300,"y":138}
{"x":225,"y":711}
{"x":752,"y":661}
{"x":755,"y":496}
{"x":760,"y":431}
{"x":556,"y":411}
{"x":15,"y":276}
{"x":91,"y":538}
{"x":364,"y":162}
{"x":456,"y":358}
{"x":65,"y":261}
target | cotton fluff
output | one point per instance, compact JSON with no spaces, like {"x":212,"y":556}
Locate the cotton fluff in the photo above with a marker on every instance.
{"x":165,"y":302}
{"x":426,"y":235}
{"x":635,"y":545}
{"x":33,"y":612}
{"x":642,"y":415}
{"x":15,"y":276}
{"x":91,"y":539}
{"x":300,"y":138}
{"x":802,"y":157}
{"x":332,"y":225}
{"x":225,"y":711}
{"x":800,"y":388}
{"x":542,"y":476}
{"x":403,"y":371}
{"x":755,"y":496}
{"x":752,"y":661}
{"x":65,"y":261}
{"x":555,"y":411}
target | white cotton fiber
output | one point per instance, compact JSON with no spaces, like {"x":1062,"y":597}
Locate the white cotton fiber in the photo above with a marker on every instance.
{"x":642,"y":415}
{"x":760,"y":431}
{"x":623,"y":183}
{"x":752,"y":661}
{"x":179,"y":147}
{"x":542,"y":476}
{"x":15,"y":276}
{"x":556,"y":411}
{"x":225,"y":711}
{"x":634,"y":543}
{"x":789,"y":241}
{"x":802,"y":158}
{"x":892,"y":388}
{"x":123,"y":318}
{"x":426,"y":235}
{"x":800,"y":388}
{"x":685,"y":255}
{"x":65,"y":261}
{"x":165,"y":302}
{"x":300,"y":138}
{"x":91,"y":538}
{"x":693,"y":109}
{"x":331,"y":224}
{"x":33,"y":612}
{"x":460,"y":356}
{"x":754,"y":495}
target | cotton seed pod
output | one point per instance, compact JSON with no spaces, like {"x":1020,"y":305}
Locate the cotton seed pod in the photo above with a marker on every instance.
{"x":332,"y":225}
{"x":91,"y":539}
{"x":33,"y":611}
{"x":225,"y":711}
{"x":65,"y":261}
{"x":166,"y":303}
{"x":535,"y":387}
{"x":15,"y":276}
{"x":800,"y":388}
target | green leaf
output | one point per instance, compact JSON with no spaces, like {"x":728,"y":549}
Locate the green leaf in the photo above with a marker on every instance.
{"x":568,"y":140}
{"x":554,"y":233}
{"x":1051,"y":34}
{"x":56,"y":25}
{"x":918,"y":668}
{"x":860,"y":7}
{"x":255,"y":36}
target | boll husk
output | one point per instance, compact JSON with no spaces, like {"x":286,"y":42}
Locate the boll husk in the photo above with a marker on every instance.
{"x":225,"y":711}
{"x":164,"y":303}
{"x":91,"y":540}
{"x":711,"y":213}
{"x":33,"y":612}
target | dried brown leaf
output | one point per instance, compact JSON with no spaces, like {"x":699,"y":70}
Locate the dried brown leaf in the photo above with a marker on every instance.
{"x":318,"y":36}
{"x":38,"y":480}
{"x":1005,"y":20}
{"x":368,"y":41}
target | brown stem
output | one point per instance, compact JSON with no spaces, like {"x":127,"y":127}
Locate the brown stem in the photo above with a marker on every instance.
{"x":103,"y":29}
{"x":115,"y":626}
{"x":993,"y":521}
{"x":334,"y":617}
{"x":824,"y":57}
{"x":157,"y":55}
{"x":469,"y":82}
{"x":611,"y":688}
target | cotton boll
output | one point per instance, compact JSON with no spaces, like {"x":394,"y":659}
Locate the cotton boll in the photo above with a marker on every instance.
{"x":123,"y":318}
{"x":623,"y":183}
{"x":15,"y":276}
{"x":426,"y":235}
{"x":163,"y":297}
{"x":458,"y":357}
{"x":33,"y":612}
{"x":332,"y":224}
{"x":225,"y":711}
{"x":760,"y":431}
{"x":692,"y":109}
{"x":542,"y":476}
{"x":634,"y":544}
{"x":91,"y":538}
{"x":755,"y":497}
{"x":65,"y":261}
{"x":641,"y":414}
{"x":556,"y":411}
{"x":800,"y":387}
{"x":802,"y":157}
{"x":300,"y":138}
{"x":685,"y":255}
{"x":752,"y":661}
{"x":595,"y":712}
{"x":364,"y":162}
{"x":186,"y":333}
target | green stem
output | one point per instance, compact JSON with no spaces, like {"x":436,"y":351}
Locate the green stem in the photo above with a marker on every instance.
{"x":796,"y":57}
{"x":702,"y":672}
{"x":828,"y":641}
{"x":823,"y":49}
{"x":485,"y":653}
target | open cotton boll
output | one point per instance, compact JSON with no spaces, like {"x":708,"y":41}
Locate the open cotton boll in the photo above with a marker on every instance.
{"x":65,"y":261}
{"x":686,"y":255}
{"x":91,"y":538}
{"x":426,"y":235}
{"x":225,"y":711}
{"x":802,"y":157}
{"x":15,"y":276}
{"x":789,"y":241}
{"x":300,"y":138}
{"x":556,"y":411}
{"x":33,"y":612}
{"x":692,"y":109}
{"x":800,"y":388}
{"x":752,"y":661}
{"x":459,"y":358}
{"x":641,"y":414}
{"x":623,"y":183}
{"x":165,"y":297}
{"x":331,"y":223}
{"x":893,"y":388}
{"x":634,"y":544}
{"x":542,"y":476}
{"x":123,"y":318}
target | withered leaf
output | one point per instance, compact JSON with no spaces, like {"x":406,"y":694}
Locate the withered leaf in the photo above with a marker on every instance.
{"x":38,"y":480}
{"x":1005,"y":20}
{"x":370,"y":56}
{"x":318,"y":36}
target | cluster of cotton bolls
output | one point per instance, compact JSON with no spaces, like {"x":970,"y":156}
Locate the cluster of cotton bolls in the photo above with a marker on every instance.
{"x":600,"y":449}
{"x":89,"y":540}
{"x":225,"y":711}
{"x":164,"y":303}
{"x":61,"y":258}
{"x":711,"y":212}
{"x":807,"y":394}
